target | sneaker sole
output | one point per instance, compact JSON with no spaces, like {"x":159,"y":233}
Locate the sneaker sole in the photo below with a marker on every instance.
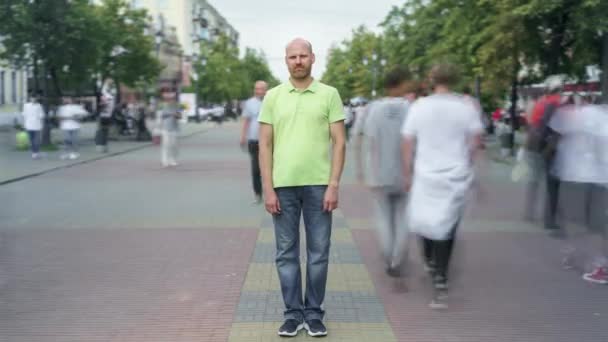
{"x":314,"y":334}
{"x":291,"y":334}
{"x":595,"y":281}
{"x":438,"y":305}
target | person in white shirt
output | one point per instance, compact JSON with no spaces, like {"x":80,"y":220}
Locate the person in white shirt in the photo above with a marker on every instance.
{"x":69,"y":115}
{"x":441,"y":137}
{"x":250,"y":135}
{"x":33,"y":115}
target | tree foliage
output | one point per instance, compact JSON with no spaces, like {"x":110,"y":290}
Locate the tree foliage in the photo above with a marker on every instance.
{"x":497,"y":41}
{"x":225,"y":76}
{"x":73,"y":41}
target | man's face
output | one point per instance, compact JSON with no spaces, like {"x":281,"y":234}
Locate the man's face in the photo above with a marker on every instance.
{"x":260,"y":89}
{"x":299,"y":60}
{"x":168,"y":96}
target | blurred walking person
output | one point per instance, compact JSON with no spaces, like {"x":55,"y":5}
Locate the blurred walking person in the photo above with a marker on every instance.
{"x":381,"y":159}
{"x":250,"y":135}
{"x":169,"y":115}
{"x":441,"y":137}
{"x":581,"y":159}
{"x":539,"y":154}
{"x":33,"y":114}
{"x":69,"y":115}
{"x":105,"y":121}
{"x":301,"y":121}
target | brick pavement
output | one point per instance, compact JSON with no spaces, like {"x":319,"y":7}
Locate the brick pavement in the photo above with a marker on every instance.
{"x":121,"y":250}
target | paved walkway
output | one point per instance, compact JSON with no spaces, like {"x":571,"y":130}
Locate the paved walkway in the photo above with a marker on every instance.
{"x":120,"y":249}
{"x":17,"y":164}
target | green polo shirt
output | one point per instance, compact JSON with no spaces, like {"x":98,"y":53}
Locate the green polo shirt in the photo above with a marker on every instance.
{"x":300,"y":122}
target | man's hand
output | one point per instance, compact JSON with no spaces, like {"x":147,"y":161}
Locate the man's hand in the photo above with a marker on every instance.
{"x":407,"y":181}
{"x":330,"y":201}
{"x":271,"y":202}
{"x":243,"y":143}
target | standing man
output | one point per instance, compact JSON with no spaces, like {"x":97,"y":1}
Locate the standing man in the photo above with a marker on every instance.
{"x":300,"y":120}
{"x":33,"y":114}
{"x":250,"y":135}
{"x":441,"y":140}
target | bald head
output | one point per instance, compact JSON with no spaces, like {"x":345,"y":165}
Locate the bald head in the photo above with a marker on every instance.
{"x":298,"y":43}
{"x":299,"y":58}
{"x":260,"y":89}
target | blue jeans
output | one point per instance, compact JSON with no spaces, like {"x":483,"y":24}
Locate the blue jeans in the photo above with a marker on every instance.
{"x":71,"y":140}
{"x":308,"y":201}
{"x":34,"y":140}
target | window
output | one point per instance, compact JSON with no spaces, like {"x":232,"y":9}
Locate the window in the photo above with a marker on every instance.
{"x":14,"y":87}
{"x":2,"y":99}
{"x":163,"y":4}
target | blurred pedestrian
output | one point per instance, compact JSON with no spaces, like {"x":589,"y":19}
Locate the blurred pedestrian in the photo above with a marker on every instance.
{"x":540,"y":150}
{"x":441,"y":134}
{"x":169,"y":115}
{"x":250,"y":135}
{"x":105,"y":121}
{"x":69,"y":115}
{"x":33,"y":114}
{"x":581,"y":159}
{"x":350,"y":118}
{"x":381,"y":142}
{"x":299,"y":121}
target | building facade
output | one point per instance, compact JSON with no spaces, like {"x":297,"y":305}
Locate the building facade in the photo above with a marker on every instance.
{"x":196,"y":22}
{"x":13,"y":93}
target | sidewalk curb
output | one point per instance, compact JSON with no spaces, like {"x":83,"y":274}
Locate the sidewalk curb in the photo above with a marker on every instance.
{"x":82,"y":162}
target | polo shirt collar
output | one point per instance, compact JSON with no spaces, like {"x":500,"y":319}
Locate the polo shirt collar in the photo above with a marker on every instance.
{"x":313,"y":87}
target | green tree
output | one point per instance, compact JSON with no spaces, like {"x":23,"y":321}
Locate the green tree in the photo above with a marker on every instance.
{"x":125,"y":50}
{"x":345,"y":68}
{"x":225,"y":77}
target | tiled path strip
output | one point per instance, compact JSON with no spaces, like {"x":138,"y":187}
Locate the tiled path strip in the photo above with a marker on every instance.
{"x":353,"y":310}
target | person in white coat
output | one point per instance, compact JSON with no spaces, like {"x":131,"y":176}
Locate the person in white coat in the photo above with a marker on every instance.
{"x":441,"y":137}
{"x":33,"y":115}
{"x":69,"y":115}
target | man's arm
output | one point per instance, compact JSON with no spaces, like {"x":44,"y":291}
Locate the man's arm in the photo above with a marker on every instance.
{"x":265,"y":158}
{"x":407,"y":150}
{"x":246,"y":123}
{"x":338,"y":137}
{"x":359,"y":157}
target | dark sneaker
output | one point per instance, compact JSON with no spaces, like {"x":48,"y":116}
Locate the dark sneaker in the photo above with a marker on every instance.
{"x":394,"y":272}
{"x":315,"y":328}
{"x":290,"y":328}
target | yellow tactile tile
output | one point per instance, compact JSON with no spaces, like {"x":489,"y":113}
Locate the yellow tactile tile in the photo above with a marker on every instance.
{"x":337,"y":332}
{"x":266,"y":235}
{"x":341,"y":277}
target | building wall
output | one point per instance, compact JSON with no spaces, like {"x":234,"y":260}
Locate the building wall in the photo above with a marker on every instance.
{"x":181,"y":14}
{"x":13,"y":91}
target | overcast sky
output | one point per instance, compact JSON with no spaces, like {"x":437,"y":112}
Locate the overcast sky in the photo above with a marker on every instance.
{"x":270,"y":24}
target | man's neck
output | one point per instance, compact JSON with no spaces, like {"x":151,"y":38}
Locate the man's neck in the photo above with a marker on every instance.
{"x":441,"y":89}
{"x":301,"y":84}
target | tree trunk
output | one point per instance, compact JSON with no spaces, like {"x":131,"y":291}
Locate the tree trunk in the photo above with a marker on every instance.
{"x":604,"y":80}
{"x":46,"y":131}
{"x":55,"y":79}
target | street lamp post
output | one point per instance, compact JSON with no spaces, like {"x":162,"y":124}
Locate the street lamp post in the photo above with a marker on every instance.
{"x":374,"y":70}
{"x":158,"y":39}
